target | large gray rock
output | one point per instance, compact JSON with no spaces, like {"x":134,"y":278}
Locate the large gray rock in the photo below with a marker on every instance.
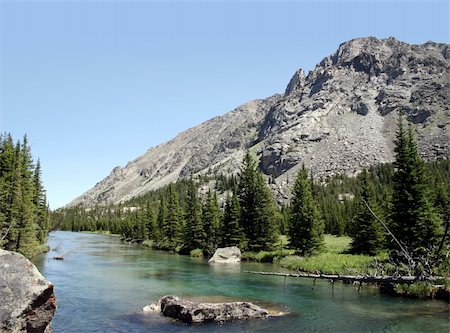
{"x":197,"y":312}
{"x":27,"y":301}
{"x":340,"y":118}
{"x":226,"y":255}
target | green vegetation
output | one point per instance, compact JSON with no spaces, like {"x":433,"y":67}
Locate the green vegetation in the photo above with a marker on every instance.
{"x":196,"y":253}
{"x":369,"y":237}
{"x":414,"y":217}
{"x":331,"y":263}
{"x":419,"y":289}
{"x":257,"y":207}
{"x":411,"y":197}
{"x":334,"y":260}
{"x":24,"y":215}
{"x":305,"y":224}
{"x":267,"y":256}
{"x":336,"y":244}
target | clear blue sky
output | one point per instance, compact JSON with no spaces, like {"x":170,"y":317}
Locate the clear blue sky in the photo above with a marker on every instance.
{"x":96,"y":84}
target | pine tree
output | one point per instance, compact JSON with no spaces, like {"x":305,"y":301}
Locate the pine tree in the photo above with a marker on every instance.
{"x":369,"y":236}
{"x":172,"y":232}
{"x":162,"y":217}
{"x":211,"y":221}
{"x":7,"y":164}
{"x":257,"y":207}
{"x":140,"y":225}
{"x":232,"y":234}
{"x":414,"y":219}
{"x":25,"y":234}
{"x":40,"y":204}
{"x":306,"y":226}
{"x":194,"y":234}
{"x":151,"y":227}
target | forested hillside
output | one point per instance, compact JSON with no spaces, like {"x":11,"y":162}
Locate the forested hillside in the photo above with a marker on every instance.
{"x":204,"y":213}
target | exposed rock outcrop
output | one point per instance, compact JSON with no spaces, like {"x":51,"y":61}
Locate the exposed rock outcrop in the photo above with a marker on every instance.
{"x":340,"y":118}
{"x":226,"y":255}
{"x":195,"y":312}
{"x":27,"y":301}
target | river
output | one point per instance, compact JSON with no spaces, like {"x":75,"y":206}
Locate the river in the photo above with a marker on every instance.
{"x":103,"y":284}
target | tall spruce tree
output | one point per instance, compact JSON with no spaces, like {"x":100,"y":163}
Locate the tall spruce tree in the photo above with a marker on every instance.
{"x":25,"y":240}
{"x":369,"y":236}
{"x":211,"y":221}
{"x":232,"y":234}
{"x":414,"y":220}
{"x":40,"y":204}
{"x":194,"y":233}
{"x":151,"y":226}
{"x":174,"y":226}
{"x":257,"y":207}
{"x":7,"y":164}
{"x":306,"y":226}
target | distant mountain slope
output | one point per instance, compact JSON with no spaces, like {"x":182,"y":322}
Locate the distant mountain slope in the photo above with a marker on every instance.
{"x":339,"y":118}
{"x":219,"y":141}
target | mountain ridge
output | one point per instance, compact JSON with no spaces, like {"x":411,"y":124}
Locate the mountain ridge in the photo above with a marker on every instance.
{"x":340,"y":117}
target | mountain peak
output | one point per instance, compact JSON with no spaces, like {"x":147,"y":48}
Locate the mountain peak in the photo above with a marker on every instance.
{"x":339,"y":119}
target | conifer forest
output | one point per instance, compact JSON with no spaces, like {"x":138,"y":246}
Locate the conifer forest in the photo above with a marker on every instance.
{"x":407,"y":200}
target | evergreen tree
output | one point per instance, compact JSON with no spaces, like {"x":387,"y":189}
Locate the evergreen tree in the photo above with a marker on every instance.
{"x":7,"y":171}
{"x":232,"y":234}
{"x":162,"y":217}
{"x":211,"y":221}
{"x":40,"y":204}
{"x":25,"y":232}
{"x":369,"y":235}
{"x":306,"y":226}
{"x":194,"y":234}
{"x":414,"y":219}
{"x":140,"y":225}
{"x":151,"y":227}
{"x":257,"y":207}
{"x":172,"y":232}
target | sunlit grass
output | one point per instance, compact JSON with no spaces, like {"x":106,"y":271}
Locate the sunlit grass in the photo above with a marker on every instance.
{"x":337,"y":244}
{"x":332,"y":263}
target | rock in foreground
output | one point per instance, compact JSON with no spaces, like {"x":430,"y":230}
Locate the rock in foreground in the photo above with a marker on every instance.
{"x":196,"y":312}
{"x":27,"y":302}
{"x":230,"y":254}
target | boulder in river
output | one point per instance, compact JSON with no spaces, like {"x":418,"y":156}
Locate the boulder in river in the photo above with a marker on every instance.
{"x":230,"y":254}
{"x":27,"y":301}
{"x":197,"y":312}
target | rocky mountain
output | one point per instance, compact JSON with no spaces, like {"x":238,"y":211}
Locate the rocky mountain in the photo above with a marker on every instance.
{"x":341,"y":117}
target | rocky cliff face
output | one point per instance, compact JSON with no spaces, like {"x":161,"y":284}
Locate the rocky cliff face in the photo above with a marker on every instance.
{"x":341,"y":117}
{"x":27,"y":302}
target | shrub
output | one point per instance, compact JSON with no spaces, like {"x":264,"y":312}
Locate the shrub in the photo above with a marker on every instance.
{"x":148,"y":243}
{"x":196,"y":253}
{"x":418,"y":289}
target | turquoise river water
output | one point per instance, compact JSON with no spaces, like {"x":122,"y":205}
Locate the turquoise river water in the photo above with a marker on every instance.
{"x":103,"y":284}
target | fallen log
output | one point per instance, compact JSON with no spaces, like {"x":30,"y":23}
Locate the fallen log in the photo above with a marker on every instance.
{"x":61,"y":257}
{"x":353,"y":278}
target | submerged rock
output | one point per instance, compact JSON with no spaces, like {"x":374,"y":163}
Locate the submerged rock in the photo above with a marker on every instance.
{"x":196,"y":312}
{"x":27,"y":301}
{"x":230,"y":254}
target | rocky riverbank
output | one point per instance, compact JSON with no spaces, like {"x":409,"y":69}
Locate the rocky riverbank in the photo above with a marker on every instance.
{"x":28,"y":302}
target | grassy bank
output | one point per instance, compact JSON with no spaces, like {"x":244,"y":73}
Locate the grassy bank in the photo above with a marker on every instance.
{"x":332,"y":263}
{"x":334,"y":259}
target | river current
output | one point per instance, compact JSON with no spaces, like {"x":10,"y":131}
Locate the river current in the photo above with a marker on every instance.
{"x":104,"y":283}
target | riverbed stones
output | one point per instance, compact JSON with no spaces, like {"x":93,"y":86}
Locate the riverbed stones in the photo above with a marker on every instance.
{"x":197,"y":312}
{"x":27,"y":301}
{"x":226,"y":255}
